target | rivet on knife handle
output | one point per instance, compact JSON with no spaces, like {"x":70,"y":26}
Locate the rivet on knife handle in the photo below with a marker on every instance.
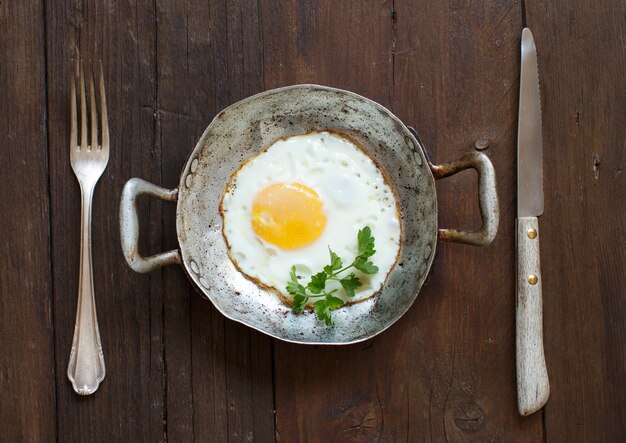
{"x":533,"y":387}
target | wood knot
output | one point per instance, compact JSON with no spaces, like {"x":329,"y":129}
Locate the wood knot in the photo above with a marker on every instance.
{"x":468,"y":416}
{"x":596,"y":165}
{"x":360,"y":420}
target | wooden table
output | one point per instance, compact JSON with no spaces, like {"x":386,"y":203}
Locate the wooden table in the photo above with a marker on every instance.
{"x":176,"y":368}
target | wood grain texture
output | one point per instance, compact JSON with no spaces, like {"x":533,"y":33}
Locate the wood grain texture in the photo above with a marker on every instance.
{"x":459,"y":62}
{"x":219,"y":373}
{"x":446,"y":370}
{"x":582,"y":61}
{"x":129,"y":403}
{"x":27,"y":403}
{"x":533,"y":386}
{"x":176,"y":369}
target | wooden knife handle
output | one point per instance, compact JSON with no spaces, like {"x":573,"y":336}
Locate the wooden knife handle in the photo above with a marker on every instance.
{"x":533,"y":387}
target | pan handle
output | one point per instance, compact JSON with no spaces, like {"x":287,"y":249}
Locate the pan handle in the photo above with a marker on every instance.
{"x":129,"y":226}
{"x":487,"y":194}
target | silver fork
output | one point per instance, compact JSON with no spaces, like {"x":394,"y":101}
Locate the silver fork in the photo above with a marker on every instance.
{"x":86,"y":367}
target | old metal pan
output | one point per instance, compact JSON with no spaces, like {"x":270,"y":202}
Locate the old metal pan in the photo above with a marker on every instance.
{"x":246,"y":127}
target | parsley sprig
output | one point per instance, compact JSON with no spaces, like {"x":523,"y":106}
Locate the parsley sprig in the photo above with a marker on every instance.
{"x":316,"y":288}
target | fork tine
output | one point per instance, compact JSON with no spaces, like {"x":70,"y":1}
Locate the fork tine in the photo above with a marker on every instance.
{"x":94,"y":114}
{"x":103,"y":112}
{"x":73,"y":129}
{"x":83,"y":109}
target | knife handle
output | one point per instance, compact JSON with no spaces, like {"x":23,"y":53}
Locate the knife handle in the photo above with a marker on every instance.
{"x":533,"y":387}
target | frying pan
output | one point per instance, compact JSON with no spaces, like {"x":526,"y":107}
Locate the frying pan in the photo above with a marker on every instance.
{"x":242,"y":130}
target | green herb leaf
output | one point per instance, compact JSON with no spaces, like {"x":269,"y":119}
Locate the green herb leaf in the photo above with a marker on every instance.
{"x":322,"y":311}
{"x":299,"y":302}
{"x":316,"y":287}
{"x":333,"y":302}
{"x":292,"y":274}
{"x":335,"y":263}
{"x":293,"y":286}
{"x":324,"y":307}
{"x":350,"y":283}
{"x":365,"y":266}
{"x":365,"y":243}
{"x":317,"y":283}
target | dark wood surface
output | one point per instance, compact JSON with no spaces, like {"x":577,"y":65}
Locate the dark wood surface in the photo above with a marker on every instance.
{"x":176,"y":369}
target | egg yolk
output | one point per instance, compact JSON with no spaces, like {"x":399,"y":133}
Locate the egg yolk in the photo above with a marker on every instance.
{"x":288,"y":215}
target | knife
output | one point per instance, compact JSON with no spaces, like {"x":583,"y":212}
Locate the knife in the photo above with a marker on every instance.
{"x":533,"y":387}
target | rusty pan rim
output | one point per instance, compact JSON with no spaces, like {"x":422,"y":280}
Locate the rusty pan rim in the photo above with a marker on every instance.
{"x":388,"y":141}
{"x":419,"y":149}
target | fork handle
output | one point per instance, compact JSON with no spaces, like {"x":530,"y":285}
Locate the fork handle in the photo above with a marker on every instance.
{"x":86,"y":366}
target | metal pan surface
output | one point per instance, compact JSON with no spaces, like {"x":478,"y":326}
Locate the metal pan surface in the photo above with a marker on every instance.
{"x":241,"y":131}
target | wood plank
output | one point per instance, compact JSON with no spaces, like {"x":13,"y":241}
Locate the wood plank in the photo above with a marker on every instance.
{"x":219,"y":378}
{"x":446,"y":370}
{"x":462,"y":63}
{"x":340,"y":44}
{"x":582,"y":61}
{"x":129,"y":404}
{"x":27,"y":405}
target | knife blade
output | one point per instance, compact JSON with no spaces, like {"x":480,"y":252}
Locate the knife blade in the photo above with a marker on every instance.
{"x":533,"y":387}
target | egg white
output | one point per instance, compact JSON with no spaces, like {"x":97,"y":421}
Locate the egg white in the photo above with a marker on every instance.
{"x":354,"y":194}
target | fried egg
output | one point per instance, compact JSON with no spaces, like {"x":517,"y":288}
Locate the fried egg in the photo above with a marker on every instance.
{"x":301,"y":196}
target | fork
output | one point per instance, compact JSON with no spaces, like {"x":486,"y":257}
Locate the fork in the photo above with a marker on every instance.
{"x":86,"y":366}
